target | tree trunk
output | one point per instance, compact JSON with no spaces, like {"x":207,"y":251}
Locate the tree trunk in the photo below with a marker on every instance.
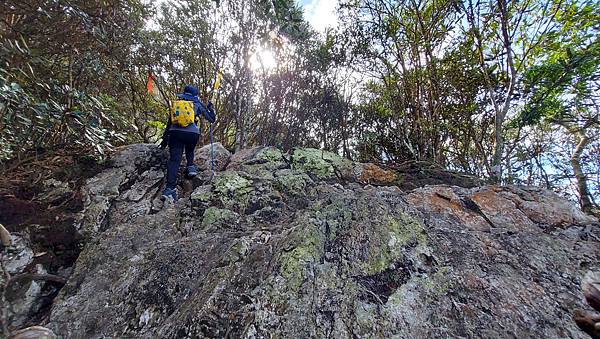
{"x":500,"y":109}
{"x":239,"y":125}
{"x":582,"y":188}
{"x":498,"y":150}
{"x":501,"y":115}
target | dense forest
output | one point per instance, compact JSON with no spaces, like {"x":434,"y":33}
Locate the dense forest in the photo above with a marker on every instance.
{"x":505,"y":90}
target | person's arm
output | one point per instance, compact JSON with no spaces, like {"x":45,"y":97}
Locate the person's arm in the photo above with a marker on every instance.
{"x":165,"y":137}
{"x":211,"y":110}
{"x":202,"y":110}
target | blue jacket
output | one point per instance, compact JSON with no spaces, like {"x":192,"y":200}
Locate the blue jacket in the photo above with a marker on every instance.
{"x":199,"y":110}
{"x":190,"y":93}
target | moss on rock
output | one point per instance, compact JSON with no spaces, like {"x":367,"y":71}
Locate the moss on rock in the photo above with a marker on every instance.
{"x":292,"y":182}
{"x":405,"y":230}
{"x":259,"y":161}
{"x":232,"y":190}
{"x":214,"y":215}
{"x":293,"y":262}
{"x":439,"y":282}
{"x":336,"y":215}
{"x":402,"y":232}
{"x":202,"y":194}
{"x":321,"y":164}
{"x":271,"y":156}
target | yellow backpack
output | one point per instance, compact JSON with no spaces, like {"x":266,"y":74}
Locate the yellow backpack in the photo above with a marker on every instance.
{"x":182,"y":113}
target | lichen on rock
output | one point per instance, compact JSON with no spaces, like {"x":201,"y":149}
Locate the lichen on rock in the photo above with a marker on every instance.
{"x":202,"y":196}
{"x":292,"y":182}
{"x":321,"y":164}
{"x":258,"y":161}
{"x":214,"y":216}
{"x":294,"y":261}
{"x":232,"y":190}
{"x":271,"y":157}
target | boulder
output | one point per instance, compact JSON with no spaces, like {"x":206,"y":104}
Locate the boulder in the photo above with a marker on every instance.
{"x":369,"y":173}
{"x":5,"y":238}
{"x":589,"y":321}
{"x":322,"y":165}
{"x":133,"y":180}
{"x":292,"y":246}
{"x":33,"y":332}
{"x":23,"y":296}
{"x":258,"y":161}
{"x":202,"y":157}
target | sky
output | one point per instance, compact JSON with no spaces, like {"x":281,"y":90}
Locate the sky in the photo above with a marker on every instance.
{"x":320,"y":13}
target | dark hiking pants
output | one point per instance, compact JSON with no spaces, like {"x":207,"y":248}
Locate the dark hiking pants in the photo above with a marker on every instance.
{"x":178,"y":141}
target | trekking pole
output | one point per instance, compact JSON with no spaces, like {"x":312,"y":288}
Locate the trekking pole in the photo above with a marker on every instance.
{"x":212,"y":150}
{"x":215,"y":89}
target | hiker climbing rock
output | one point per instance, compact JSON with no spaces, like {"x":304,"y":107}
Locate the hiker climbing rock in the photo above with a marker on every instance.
{"x":183,"y":133}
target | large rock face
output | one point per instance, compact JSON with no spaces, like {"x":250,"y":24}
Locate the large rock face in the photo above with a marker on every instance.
{"x":295,"y":246}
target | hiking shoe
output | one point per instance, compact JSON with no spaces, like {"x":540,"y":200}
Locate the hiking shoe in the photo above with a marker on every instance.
{"x":169,"y":193}
{"x":192,"y":172}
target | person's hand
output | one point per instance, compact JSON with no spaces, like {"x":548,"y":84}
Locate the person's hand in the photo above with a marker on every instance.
{"x":164,"y":143}
{"x":210,"y":114}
